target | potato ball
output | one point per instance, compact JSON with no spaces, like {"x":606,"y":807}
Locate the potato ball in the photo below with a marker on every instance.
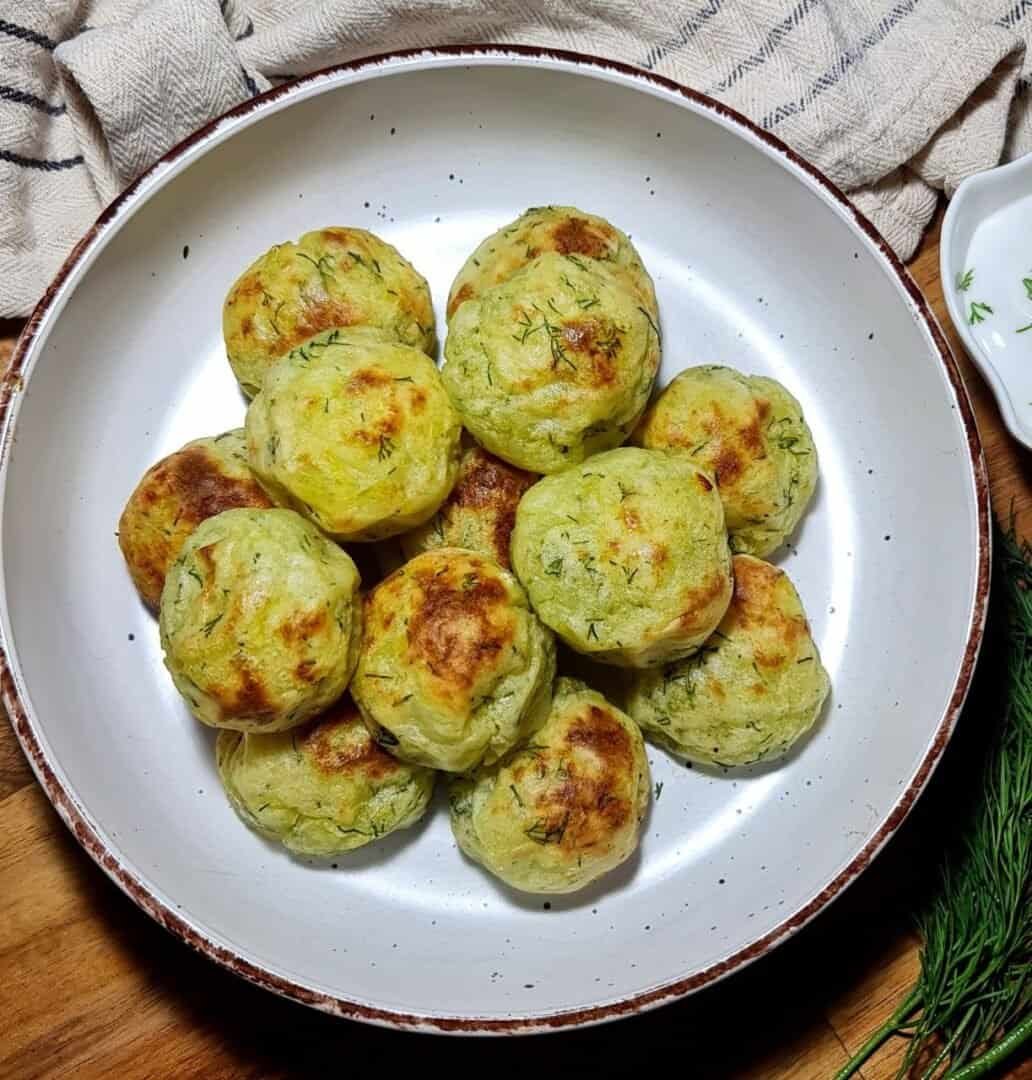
{"x":260,"y":620}
{"x":455,"y":668}
{"x":324,"y":788}
{"x":202,"y":479}
{"x":552,"y":365}
{"x":749,"y":432}
{"x":565,"y":807}
{"x":625,"y":556}
{"x":480,"y":512}
{"x":331,"y":278}
{"x":357,"y":435}
{"x":754,"y":689}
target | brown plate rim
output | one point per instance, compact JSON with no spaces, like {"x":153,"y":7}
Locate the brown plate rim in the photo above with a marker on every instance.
{"x":75,"y":818}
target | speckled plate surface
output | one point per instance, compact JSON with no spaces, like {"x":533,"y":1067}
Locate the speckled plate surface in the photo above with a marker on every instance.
{"x":759,"y":263}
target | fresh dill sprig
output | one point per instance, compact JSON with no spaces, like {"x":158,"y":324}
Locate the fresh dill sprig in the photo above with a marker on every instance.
{"x":971,"y":1007}
{"x":964,"y":280}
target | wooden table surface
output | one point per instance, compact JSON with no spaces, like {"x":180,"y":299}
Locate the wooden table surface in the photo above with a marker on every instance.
{"x":89,"y":986}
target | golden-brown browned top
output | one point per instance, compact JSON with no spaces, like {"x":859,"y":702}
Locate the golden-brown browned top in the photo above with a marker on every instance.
{"x":260,"y":620}
{"x":589,"y":796}
{"x":338,"y":742}
{"x":195,"y":483}
{"x":331,"y":278}
{"x":480,"y":512}
{"x":766,"y":609}
{"x":564,"y":230}
{"x":564,"y":807}
{"x":458,"y":620}
{"x":452,"y":659}
{"x":749,"y":432}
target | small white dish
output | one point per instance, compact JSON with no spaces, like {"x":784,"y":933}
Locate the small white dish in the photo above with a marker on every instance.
{"x":985,"y":259}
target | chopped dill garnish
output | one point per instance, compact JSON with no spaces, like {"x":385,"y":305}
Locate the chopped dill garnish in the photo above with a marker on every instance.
{"x":275,"y":315}
{"x":592,"y":632}
{"x":197,"y":577}
{"x":212,"y":623}
{"x":386,"y":448}
{"x":1027,"y":282}
{"x":404,"y":378}
{"x":1023,"y":329}
{"x":323,"y":265}
{"x":964,"y":280}
{"x":542,"y":833}
{"x":625,"y":493}
{"x":376,"y":675}
{"x":555,"y":568}
{"x":659,"y":789}
{"x":515,"y":794}
{"x":978,"y":312}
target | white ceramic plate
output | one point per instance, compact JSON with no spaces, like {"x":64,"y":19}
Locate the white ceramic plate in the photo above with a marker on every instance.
{"x":759,"y":263}
{"x":985,"y":262}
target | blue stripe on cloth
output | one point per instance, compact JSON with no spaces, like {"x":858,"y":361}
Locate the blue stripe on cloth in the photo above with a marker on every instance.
{"x":835,"y":73}
{"x":685,"y":32}
{"x":23,"y":33}
{"x":40,"y":163}
{"x":21,"y":97}
{"x":770,"y":44}
{"x":1015,"y":15}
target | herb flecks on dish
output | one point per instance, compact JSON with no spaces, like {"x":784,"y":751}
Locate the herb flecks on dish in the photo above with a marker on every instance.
{"x":978,"y":312}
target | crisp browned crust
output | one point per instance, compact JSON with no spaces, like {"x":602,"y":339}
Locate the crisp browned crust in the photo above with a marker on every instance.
{"x":322,"y":744}
{"x":171,"y":500}
{"x":577,"y":236}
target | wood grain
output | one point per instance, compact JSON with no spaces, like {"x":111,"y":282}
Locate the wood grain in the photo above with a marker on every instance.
{"x":91,"y":987}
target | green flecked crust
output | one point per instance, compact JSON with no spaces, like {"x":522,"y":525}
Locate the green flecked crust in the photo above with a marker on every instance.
{"x":331,"y":278}
{"x":553,"y":365}
{"x":260,"y":620}
{"x":749,"y":432}
{"x":357,"y":434}
{"x":455,"y":666}
{"x":563,"y":808}
{"x":561,"y":229}
{"x":755,"y":688}
{"x":323,"y":789}
{"x":625,"y":556}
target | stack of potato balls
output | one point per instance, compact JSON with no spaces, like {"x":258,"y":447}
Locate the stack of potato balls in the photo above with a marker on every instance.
{"x":499,"y":493}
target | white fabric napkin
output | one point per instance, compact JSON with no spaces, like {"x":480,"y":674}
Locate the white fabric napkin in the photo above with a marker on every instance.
{"x":893,"y":99}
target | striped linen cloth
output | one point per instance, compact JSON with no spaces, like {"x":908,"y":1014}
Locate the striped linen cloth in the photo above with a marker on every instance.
{"x":893,"y":99}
